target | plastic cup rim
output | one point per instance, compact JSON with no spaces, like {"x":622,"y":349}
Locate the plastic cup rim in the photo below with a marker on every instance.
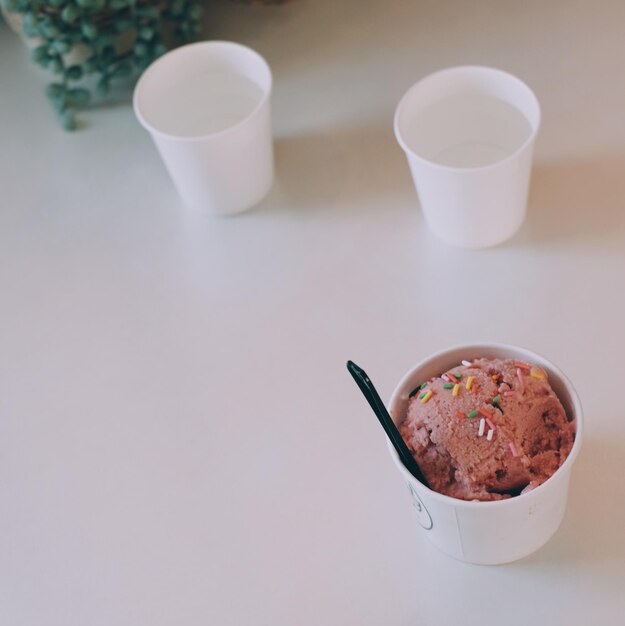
{"x":450,"y":168}
{"x":471,"y":504}
{"x":212,"y":44}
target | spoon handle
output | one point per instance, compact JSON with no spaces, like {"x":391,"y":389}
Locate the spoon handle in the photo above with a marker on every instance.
{"x":369,"y":391}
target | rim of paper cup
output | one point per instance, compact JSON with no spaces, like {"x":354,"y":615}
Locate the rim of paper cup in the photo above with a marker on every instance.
{"x":463,"y":68}
{"x":199,"y":44}
{"x":568,"y":462}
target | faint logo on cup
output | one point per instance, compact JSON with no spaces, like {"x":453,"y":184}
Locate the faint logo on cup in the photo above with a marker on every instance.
{"x":423,"y":517}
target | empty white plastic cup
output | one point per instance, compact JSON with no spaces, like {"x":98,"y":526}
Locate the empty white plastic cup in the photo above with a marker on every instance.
{"x":468,"y":134}
{"x":489,"y":533}
{"x":207,"y":107}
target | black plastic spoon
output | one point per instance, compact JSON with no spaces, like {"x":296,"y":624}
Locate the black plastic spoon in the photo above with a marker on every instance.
{"x":374,"y":400}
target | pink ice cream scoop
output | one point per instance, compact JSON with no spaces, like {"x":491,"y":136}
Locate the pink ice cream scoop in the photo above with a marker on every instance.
{"x":487,"y":429}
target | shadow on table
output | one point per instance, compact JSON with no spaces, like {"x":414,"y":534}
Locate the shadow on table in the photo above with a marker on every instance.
{"x":576,"y":201}
{"x":592,"y":530}
{"x":342,"y":169}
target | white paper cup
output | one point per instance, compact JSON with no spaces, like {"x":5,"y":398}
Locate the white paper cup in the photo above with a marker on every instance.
{"x":501,"y":531}
{"x":207,"y":107}
{"x":468,"y":134}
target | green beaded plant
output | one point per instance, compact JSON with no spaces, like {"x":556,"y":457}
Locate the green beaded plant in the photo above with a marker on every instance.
{"x":103,"y":39}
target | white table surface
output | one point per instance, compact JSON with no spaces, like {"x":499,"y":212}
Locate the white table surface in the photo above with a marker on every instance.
{"x":180,"y":443}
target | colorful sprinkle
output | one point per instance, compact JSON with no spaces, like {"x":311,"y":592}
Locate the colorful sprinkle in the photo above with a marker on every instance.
{"x":448,"y":386}
{"x":422,"y":395}
{"x":490,"y":423}
{"x":480,"y":431}
{"x":508,"y":394}
{"x":469,"y":383}
{"x":457,"y":375}
{"x":538,"y":372}
{"x":484,"y":412}
{"x":523,"y":366}
{"x":456,"y":390}
{"x":446,"y":378}
{"x":513,"y":449}
{"x":495,"y":377}
{"x":414,"y":392}
{"x":489,"y":436}
{"x":496,"y":399}
{"x":426,"y":397}
{"x":461,"y":415}
{"x":466,"y":363}
{"x":472,"y":414}
{"x":519,"y":375}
